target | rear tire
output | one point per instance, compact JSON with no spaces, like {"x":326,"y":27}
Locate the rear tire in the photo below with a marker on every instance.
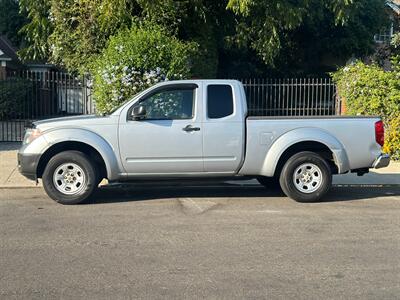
{"x":306,"y":177}
{"x":70,"y":177}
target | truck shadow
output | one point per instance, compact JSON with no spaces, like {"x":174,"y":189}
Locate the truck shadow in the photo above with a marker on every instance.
{"x":138,"y":192}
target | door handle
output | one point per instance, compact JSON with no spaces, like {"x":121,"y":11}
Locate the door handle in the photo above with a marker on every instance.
{"x":190,"y":128}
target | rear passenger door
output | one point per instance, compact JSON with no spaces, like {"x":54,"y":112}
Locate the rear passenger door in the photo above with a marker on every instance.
{"x":223,"y":129}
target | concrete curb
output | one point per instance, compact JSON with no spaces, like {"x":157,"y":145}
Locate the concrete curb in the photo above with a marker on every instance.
{"x":6,"y":187}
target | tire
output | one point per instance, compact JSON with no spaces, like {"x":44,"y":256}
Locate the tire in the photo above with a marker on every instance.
{"x":70,"y":177}
{"x":271,"y":183}
{"x":306,"y":177}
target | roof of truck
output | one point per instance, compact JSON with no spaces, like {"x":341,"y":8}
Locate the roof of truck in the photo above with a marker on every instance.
{"x":198,"y":80}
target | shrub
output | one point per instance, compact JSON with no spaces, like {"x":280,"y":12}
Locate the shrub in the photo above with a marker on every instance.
{"x":13,"y":97}
{"x":135,"y":59}
{"x":392,"y":142}
{"x":369,"y":90}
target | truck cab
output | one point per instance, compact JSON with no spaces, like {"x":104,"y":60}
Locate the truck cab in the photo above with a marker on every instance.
{"x":183,"y":129}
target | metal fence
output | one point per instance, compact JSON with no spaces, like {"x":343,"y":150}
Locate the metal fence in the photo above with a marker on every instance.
{"x":26,"y":96}
{"x":291,"y":97}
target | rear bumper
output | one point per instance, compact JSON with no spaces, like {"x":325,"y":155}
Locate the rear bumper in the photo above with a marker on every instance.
{"x":27,"y":164}
{"x":382,"y":161}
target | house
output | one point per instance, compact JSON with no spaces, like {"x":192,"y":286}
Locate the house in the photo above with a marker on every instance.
{"x":54,"y":91}
{"x":386,"y":35}
{"x":8,"y":57}
{"x":9,"y":60}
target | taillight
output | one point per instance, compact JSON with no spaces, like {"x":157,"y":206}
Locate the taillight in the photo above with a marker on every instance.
{"x":379,"y":133}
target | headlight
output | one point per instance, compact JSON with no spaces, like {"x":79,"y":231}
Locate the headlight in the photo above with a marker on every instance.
{"x":31,"y":134}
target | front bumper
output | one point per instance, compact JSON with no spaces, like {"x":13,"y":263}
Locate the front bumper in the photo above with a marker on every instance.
{"x":27,"y":165}
{"x":382,"y":161}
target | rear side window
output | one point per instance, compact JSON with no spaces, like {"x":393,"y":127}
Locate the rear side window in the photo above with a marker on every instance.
{"x":219,"y":101}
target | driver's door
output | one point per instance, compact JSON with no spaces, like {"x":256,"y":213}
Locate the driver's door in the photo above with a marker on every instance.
{"x":168,"y":140}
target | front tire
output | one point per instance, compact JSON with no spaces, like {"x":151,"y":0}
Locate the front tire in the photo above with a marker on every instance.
{"x":306,"y":177}
{"x":69,"y":177}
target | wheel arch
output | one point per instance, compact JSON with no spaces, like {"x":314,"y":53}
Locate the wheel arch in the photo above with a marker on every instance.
{"x":313,"y":146}
{"x":72,"y":145}
{"x":305,"y":139}
{"x":84,"y":141}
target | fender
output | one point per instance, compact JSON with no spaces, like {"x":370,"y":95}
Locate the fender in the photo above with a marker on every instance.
{"x":90,"y":138}
{"x":304,"y":135}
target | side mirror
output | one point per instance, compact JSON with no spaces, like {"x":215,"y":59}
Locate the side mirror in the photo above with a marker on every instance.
{"x":138,"y":113}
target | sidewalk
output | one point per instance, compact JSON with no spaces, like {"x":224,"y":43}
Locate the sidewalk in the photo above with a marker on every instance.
{"x":10,"y":177}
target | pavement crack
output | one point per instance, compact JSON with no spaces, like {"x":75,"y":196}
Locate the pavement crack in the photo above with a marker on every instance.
{"x":9,"y":176}
{"x":191,"y":207}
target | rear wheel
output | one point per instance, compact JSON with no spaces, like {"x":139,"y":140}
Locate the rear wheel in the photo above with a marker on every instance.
{"x":306,"y":177}
{"x":69,"y":177}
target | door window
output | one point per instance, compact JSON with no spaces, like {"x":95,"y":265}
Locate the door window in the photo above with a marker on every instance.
{"x":170,"y":104}
{"x":219,"y":101}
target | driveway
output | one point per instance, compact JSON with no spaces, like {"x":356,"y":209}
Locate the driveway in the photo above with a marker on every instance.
{"x":205,"y":241}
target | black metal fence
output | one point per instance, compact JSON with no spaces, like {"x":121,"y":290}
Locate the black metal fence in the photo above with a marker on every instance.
{"x":26,"y":96}
{"x":291,"y":97}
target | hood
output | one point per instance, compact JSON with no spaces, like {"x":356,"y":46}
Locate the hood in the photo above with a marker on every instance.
{"x":66,"y":119}
{"x":75,"y":121}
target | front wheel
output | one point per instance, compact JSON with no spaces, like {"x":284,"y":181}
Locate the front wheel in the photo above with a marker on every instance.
{"x":306,"y":177}
{"x":69,"y":177}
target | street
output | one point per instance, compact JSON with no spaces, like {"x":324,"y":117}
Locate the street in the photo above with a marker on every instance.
{"x":220,"y":242}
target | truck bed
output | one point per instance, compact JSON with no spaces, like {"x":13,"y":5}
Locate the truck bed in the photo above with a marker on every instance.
{"x":354,"y":136}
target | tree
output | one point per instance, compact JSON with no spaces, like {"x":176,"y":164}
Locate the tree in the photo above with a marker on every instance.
{"x":236,"y":37}
{"x":320,"y":44}
{"x":276,"y":27}
{"x":71,"y":32}
{"x":81,"y":29}
{"x":11,"y":21}
{"x":38,"y":29}
{"x":135,"y":59}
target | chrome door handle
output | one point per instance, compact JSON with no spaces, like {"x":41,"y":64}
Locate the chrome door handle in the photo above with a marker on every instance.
{"x":190,"y":128}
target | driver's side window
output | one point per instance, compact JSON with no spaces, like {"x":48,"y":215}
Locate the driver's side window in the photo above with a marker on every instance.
{"x":170,"y":104}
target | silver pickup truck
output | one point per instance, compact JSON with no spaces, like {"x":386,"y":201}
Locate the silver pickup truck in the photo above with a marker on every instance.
{"x":197,"y":129}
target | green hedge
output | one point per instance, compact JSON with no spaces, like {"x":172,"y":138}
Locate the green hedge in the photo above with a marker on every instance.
{"x":369,"y":90}
{"x":13,"y":97}
{"x":135,"y":59}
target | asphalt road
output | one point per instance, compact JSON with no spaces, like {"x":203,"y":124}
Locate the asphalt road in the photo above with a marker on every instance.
{"x":222,"y":242}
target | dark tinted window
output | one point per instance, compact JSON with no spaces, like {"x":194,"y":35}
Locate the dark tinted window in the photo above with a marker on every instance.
{"x":219,"y":101}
